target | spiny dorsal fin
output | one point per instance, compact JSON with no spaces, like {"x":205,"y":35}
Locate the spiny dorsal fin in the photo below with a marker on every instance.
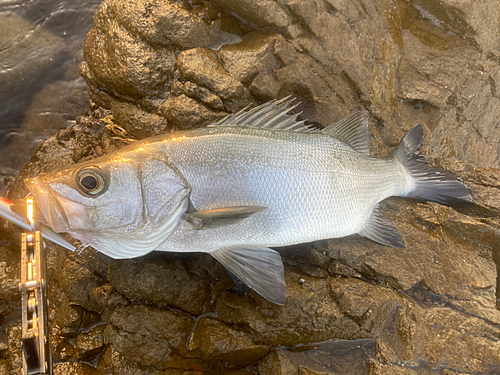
{"x":270,"y":115}
{"x":352,"y":130}
{"x":259,"y":268}
{"x":381,"y":230}
{"x":221,"y":216}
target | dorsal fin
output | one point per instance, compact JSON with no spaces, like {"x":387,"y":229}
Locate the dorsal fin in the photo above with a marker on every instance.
{"x":352,"y":130}
{"x":270,"y":115}
{"x":381,"y":230}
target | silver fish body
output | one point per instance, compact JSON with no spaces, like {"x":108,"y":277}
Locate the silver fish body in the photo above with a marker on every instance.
{"x":314,"y":186}
{"x":254,"y":180}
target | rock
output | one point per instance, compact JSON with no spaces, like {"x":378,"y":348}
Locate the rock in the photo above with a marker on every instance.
{"x":91,"y":343}
{"x":9,"y":273}
{"x":15,"y":349}
{"x":166,"y":24}
{"x":136,"y":121}
{"x":63,"y":350}
{"x":77,"y":282}
{"x":333,"y":357}
{"x":220,"y":342}
{"x":108,"y":298}
{"x":337,"y":268}
{"x":70,"y":368}
{"x":4,"y":367}
{"x":276,"y":363}
{"x":112,"y":362}
{"x":107,"y":50}
{"x":475,"y":20}
{"x":68,"y":319}
{"x":319,"y":318}
{"x":204,"y":95}
{"x":434,"y":73}
{"x":184,"y":112}
{"x":441,"y":335}
{"x":201,"y":66}
{"x":260,"y":13}
{"x":146,"y":335}
{"x":253,"y":63}
{"x":143,"y":280}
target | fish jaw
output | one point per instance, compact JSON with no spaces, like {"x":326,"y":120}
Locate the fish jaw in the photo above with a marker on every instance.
{"x":54,"y":214}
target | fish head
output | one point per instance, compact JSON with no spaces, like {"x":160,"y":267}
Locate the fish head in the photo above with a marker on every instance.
{"x":110,"y":195}
{"x":89,"y":197}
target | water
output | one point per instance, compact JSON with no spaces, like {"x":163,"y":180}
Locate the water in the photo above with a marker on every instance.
{"x":40,"y":89}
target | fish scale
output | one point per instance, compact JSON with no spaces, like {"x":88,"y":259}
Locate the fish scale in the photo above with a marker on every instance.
{"x":314,"y":186}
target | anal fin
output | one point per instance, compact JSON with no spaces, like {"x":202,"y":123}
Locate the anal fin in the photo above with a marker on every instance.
{"x":381,"y":230}
{"x":259,"y":268}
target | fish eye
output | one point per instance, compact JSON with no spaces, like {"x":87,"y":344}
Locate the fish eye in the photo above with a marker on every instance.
{"x":91,"y":181}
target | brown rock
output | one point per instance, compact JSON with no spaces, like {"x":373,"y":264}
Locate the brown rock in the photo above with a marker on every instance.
{"x":63,"y":350}
{"x":108,"y":298}
{"x":143,"y":280}
{"x":201,"y":66}
{"x":108,"y":50}
{"x":91,"y":342}
{"x":367,"y":304}
{"x":218,"y":341}
{"x":315,"y":88}
{"x":184,"y":112}
{"x":70,"y":368}
{"x":112,"y":362}
{"x":262,"y":13}
{"x":136,"y":121}
{"x":375,"y":368}
{"x":475,"y":20}
{"x":337,"y":268}
{"x":276,"y":363}
{"x":204,"y":95}
{"x":77,"y":281}
{"x":331,"y":357}
{"x":163,"y":23}
{"x":318,"y":319}
{"x":68,"y":318}
{"x":9,"y":274}
{"x":469,"y":276}
{"x":253,"y":63}
{"x":146,"y":335}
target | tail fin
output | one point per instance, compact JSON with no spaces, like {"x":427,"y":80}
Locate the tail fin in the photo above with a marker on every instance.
{"x":432,"y":184}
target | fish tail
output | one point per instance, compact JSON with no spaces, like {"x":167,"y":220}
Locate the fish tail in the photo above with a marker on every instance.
{"x":432,"y":184}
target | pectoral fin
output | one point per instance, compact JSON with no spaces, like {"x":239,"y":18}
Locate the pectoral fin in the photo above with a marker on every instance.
{"x":381,"y":230}
{"x":258,"y":267}
{"x":221,"y":216}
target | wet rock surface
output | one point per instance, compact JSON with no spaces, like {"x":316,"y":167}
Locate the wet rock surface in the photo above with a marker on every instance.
{"x":354,"y":306}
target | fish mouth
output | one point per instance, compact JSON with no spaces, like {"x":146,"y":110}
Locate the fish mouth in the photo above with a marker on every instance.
{"x":48,"y":204}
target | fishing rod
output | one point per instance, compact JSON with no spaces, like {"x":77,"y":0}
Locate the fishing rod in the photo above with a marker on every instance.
{"x":37,"y":357}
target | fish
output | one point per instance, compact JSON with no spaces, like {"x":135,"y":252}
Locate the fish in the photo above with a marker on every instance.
{"x":252,"y":181}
